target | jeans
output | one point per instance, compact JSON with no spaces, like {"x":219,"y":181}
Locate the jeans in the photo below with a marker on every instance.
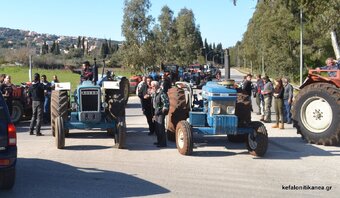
{"x":47,"y":102}
{"x":286,"y":111}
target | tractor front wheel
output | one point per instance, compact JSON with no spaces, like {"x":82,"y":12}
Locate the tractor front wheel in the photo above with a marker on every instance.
{"x":184,"y":139}
{"x":257,"y":142}
{"x":59,"y":132}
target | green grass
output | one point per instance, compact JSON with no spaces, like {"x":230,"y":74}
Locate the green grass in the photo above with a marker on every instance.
{"x":19,"y":74}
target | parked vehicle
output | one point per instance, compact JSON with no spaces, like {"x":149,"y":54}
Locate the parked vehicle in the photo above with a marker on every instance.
{"x":8,"y":148}
{"x":316,"y":109}
{"x":97,"y":104}
{"x":22,"y":105}
{"x":222,"y":111}
{"x":134,"y":81}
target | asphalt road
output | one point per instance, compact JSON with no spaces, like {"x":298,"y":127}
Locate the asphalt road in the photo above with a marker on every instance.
{"x":89,"y":166}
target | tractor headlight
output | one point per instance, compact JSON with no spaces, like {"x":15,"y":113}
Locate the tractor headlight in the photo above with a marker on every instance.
{"x":104,"y":105}
{"x":74,"y":106}
{"x":216,"y":110}
{"x":230,"y":109}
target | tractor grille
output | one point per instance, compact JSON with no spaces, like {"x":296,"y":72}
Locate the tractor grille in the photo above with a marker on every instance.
{"x":89,"y":99}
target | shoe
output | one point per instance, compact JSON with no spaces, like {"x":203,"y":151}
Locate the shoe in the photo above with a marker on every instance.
{"x":281,"y":126}
{"x":31,"y":133}
{"x":161,"y":146}
{"x":156,"y":143}
{"x":40,"y":134}
{"x":275,"y":126}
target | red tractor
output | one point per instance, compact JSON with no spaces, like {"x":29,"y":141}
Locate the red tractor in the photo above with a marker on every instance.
{"x":22,"y":106}
{"x":316,"y":109}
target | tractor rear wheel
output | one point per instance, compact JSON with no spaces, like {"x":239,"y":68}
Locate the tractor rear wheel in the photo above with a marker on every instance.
{"x":316,"y":113}
{"x":124,"y":86}
{"x":59,"y":132}
{"x":257,"y":142}
{"x":17,"y":112}
{"x":178,"y":111}
{"x":59,"y":107}
{"x":184,"y":138}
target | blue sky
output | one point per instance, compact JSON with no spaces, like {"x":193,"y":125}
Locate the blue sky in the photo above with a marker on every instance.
{"x":220,"y":21}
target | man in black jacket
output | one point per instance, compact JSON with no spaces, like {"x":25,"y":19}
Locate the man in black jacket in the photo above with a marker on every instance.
{"x":160,"y":103}
{"x":36,"y":92}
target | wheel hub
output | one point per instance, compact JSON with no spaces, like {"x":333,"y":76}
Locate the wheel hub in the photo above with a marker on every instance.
{"x":316,"y":114}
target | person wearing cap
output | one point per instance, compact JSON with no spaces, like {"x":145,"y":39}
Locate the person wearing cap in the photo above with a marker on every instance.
{"x":36,"y":93}
{"x":86,"y":72}
{"x":267,"y":93}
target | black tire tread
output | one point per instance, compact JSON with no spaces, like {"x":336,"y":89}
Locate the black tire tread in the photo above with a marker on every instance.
{"x":332,"y":138}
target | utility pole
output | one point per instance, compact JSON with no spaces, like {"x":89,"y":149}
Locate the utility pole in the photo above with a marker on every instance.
{"x":226,"y":64}
{"x":301,"y":45}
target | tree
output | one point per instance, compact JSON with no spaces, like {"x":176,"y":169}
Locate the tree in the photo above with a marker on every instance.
{"x":187,"y":37}
{"x":136,"y":30}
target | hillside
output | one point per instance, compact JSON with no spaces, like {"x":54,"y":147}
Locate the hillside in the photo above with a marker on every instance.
{"x":15,"y":38}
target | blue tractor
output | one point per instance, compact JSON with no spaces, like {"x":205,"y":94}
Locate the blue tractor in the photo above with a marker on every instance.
{"x":97,"y":105}
{"x":221,"y":112}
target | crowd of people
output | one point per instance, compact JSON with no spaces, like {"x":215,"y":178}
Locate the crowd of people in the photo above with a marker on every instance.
{"x":155,"y":105}
{"x":39,"y":93}
{"x":281,"y":92}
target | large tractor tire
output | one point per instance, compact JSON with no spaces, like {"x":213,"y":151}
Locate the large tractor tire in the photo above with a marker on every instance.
{"x":119,"y":135}
{"x":59,"y":132}
{"x":184,"y":138}
{"x":316,"y":113}
{"x":7,"y":178}
{"x":124,"y":86}
{"x":17,"y":112}
{"x":257,"y":142}
{"x":178,"y":111}
{"x":59,"y":107}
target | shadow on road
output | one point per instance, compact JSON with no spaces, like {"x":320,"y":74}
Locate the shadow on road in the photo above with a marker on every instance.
{"x":86,"y":147}
{"x":45,"y":178}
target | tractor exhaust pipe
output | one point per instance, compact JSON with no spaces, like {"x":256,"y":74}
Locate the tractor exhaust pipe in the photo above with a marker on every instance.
{"x":95,"y":72}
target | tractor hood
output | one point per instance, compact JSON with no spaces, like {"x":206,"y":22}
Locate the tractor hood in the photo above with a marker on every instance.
{"x":214,"y":91}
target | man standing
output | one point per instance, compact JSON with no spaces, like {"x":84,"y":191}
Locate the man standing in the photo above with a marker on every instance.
{"x":287,"y":100}
{"x":267,"y":93}
{"x":145,"y":98}
{"x":161,"y":105}
{"x":36,"y":92}
{"x":47,"y":99}
{"x":258,"y":95}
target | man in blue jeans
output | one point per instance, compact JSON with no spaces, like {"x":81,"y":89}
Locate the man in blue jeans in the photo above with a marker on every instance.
{"x":287,"y":100}
{"x":47,"y":99}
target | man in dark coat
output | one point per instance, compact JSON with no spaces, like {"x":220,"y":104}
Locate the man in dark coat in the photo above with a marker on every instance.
{"x":160,"y":103}
{"x":145,"y":96}
{"x":36,"y":92}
